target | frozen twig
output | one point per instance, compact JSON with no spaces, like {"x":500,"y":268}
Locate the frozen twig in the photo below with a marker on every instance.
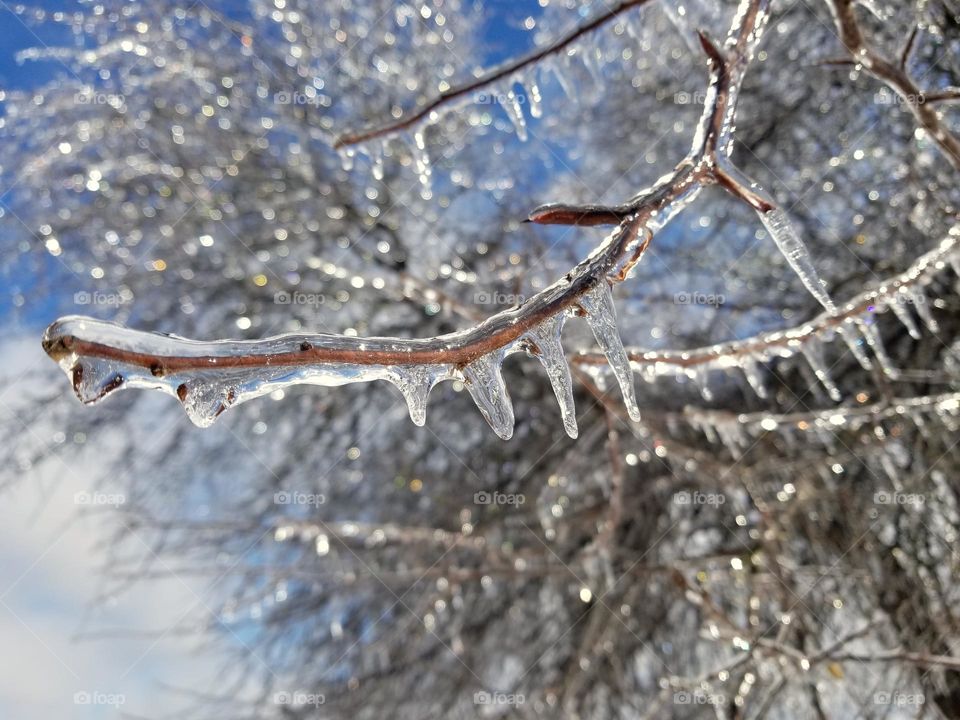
{"x":894,"y":74}
{"x":896,"y":294}
{"x":485,"y":80}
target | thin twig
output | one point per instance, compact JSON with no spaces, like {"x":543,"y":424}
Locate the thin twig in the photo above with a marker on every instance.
{"x":487,"y":78}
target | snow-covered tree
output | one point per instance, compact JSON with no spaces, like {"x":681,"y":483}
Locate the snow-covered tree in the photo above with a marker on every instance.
{"x":750,"y":208}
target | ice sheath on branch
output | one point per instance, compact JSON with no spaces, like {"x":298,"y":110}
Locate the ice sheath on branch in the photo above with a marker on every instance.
{"x":209,"y":377}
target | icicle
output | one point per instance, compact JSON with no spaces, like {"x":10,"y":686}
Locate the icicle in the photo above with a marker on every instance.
{"x":732,"y":436}
{"x":813,"y":351}
{"x":905,"y":318}
{"x":546,"y":337}
{"x":536,"y":101}
{"x":751,"y":370}
{"x":485,"y":383}
{"x":922,"y":306}
{"x":781,"y":230}
{"x":704,"y":423}
{"x":602,"y":316}
{"x":416,"y":382}
{"x":592,"y":61}
{"x":563,"y":80}
{"x":852,"y":338}
{"x":811,"y":379}
{"x":512,"y":107}
{"x":700,"y":376}
{"x":872,"y":336}
{"x":421,"y":159}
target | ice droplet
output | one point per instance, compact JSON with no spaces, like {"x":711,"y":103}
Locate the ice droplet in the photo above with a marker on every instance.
{"x":205,"y":401}
{"x":788,"y":241}
{"x":514,"y":110}
{"x":546,"y":338}
{"x":94,"y":379}
{"x":597,"y":302}
{"x":485,"y":384}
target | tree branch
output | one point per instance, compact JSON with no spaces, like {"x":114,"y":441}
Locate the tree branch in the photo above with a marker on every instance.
{"x":486,"y":79}
{"x":894,"y":74}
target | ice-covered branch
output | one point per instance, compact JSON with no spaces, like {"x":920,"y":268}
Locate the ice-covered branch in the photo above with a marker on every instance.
{"x":430,"y":109}
{"x":852,"y":322}
{"x":209,"y":377}
{"x":894,"y":74}
{"x":737,"y":431}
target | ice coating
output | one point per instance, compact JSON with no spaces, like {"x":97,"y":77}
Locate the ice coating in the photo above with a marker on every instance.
{"x":602,"y":316}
